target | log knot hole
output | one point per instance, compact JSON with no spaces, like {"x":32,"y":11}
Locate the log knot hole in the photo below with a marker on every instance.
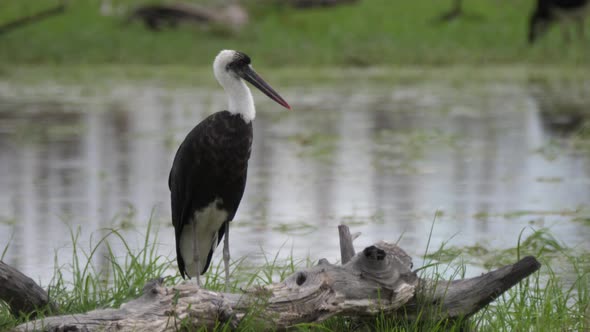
{"x":152,"y":287}
{"x":301,"y":278}
{"x":374,"y":253}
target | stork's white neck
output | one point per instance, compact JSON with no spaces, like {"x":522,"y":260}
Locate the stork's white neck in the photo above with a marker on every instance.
{"x":238,"y":94}
{"x":240,"y":99}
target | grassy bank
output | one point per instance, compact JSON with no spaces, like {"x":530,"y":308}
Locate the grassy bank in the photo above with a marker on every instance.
{"x":555,"y":299}
{"x":170,"y":76}
{"x":371,"y":32}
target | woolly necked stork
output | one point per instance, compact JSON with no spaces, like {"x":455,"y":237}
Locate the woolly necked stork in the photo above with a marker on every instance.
{"x":208,"y":175}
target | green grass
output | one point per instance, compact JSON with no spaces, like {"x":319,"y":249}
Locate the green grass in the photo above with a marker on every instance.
{"x":557,"y":298}
{"x":78,"y":286}
{"x":368,"y":33}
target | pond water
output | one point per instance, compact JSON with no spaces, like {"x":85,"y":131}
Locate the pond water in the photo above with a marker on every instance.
{"x":485,"y":158}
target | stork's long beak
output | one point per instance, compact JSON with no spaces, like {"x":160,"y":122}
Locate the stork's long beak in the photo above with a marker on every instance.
{"x":251,"y":76}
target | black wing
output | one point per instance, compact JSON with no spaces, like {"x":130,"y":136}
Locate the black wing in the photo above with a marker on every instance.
{"x":210,"y":163}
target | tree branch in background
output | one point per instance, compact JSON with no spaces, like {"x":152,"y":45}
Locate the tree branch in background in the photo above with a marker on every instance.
{"x":318,"y":3}
{"x":26,"y":20}
{"x":456,"y":12}
{"x":452,"y":14}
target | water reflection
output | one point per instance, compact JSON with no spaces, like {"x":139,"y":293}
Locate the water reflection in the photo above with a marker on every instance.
{"x":382,"y":160}
{"x":562,"y":105}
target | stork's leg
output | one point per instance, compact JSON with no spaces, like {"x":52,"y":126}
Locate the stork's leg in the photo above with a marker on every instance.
{"x":196,"y":256}
{"x":226,"y":255}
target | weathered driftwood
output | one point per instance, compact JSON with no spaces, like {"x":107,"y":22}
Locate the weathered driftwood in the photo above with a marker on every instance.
{"x":463,"y":298}
{"x":346,"y":247}
{"x":21,"y":293}
{"x":378,"y":280}
{"x":29,"y":19}
{"x":156,"y":16}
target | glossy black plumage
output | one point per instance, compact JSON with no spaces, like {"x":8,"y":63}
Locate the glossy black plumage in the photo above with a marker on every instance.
{"x":211,"y":163}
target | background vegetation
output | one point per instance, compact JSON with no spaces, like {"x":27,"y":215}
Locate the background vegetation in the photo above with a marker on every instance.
{"x":369,"y":32}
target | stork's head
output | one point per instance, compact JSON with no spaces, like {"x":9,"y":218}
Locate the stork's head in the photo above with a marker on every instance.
{"x":230,"y":67}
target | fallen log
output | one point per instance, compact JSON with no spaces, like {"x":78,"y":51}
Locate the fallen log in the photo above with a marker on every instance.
{"x":377,"y":281}
{"x":156,"y":16}
{"x":21,"y":293}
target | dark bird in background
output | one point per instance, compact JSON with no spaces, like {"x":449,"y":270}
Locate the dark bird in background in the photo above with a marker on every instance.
{"x":208,"y":176}
{"x":565,"y":12}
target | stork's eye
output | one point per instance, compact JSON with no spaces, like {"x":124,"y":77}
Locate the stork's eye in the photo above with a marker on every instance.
{"x":232,"y":68}
{"x":242,"y":58}
{"x":236,"y":65}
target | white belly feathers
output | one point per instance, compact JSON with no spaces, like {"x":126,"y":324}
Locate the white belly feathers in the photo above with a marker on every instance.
{"x":207,"y":222}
